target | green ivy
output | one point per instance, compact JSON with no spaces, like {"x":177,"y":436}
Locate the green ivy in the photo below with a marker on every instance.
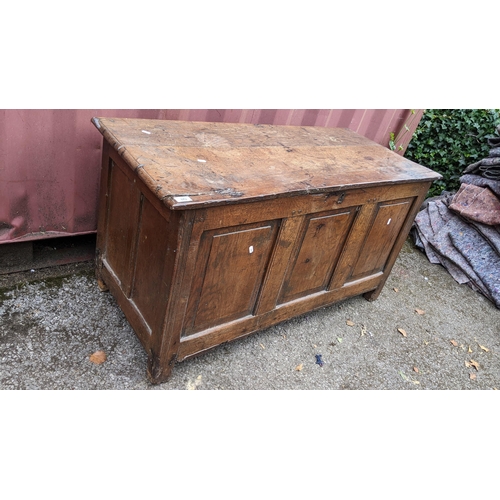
{"x":449,"y":140}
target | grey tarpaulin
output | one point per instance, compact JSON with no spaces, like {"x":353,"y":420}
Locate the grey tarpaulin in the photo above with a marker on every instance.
{"x":488,"y":167}
{"x":461,"y":231}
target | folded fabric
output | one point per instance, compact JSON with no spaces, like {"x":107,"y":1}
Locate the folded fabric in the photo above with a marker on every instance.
{"x":477,"y":180}
{"x":490,"y":233}
{"x":487,"y":167}
{"x":467,"y":249}
{"x":462,"y":231}
{"x":477,"y":203}
{"x":426,"y":233}
{"x":428,"y":224}
{"x":443,"y":243}
{"x":495,"y":152}
{"x":484,"y":261}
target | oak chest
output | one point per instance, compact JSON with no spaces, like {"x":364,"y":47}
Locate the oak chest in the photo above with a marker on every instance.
{"x":211,"y":231}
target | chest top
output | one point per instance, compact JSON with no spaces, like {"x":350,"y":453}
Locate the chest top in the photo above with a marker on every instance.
{"x":200,"y":164}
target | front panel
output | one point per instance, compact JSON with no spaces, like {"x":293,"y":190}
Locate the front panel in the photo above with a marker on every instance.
{"x":230,"y":267}
{"x":384,"y":229}
{"x":317,"y":253}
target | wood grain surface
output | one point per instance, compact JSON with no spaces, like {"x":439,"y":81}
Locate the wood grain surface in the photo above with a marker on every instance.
{"x":221,"y":163}
{"x":211,"y":231}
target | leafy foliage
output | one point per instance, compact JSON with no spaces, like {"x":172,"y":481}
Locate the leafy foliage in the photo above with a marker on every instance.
{"x":449,"y":140}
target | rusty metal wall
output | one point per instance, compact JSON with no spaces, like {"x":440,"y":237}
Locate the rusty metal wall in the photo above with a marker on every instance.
{"x":50,"y":159}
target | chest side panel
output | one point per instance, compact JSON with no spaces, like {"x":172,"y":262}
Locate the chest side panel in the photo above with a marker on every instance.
{"x":154,"y":260}
{"x":121,"y":225}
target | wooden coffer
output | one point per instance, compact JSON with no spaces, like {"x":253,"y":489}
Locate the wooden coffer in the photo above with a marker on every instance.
{"x":211,"y":231}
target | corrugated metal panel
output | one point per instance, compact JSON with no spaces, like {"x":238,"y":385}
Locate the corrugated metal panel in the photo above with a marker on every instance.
{"x":49,"y":171}
{"x":50,"y":159}
{"x":376,"y":124}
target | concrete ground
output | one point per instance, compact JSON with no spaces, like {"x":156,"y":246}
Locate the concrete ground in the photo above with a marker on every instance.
{"x":425,"y":331}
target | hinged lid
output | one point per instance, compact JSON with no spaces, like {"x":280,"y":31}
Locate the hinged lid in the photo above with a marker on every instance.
{"x":193,"y":164}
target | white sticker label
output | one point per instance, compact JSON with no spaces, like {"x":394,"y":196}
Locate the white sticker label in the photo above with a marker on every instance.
{"x":250,"y":249}
{"x":181,"y":199}
{"x":389,"y":221}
